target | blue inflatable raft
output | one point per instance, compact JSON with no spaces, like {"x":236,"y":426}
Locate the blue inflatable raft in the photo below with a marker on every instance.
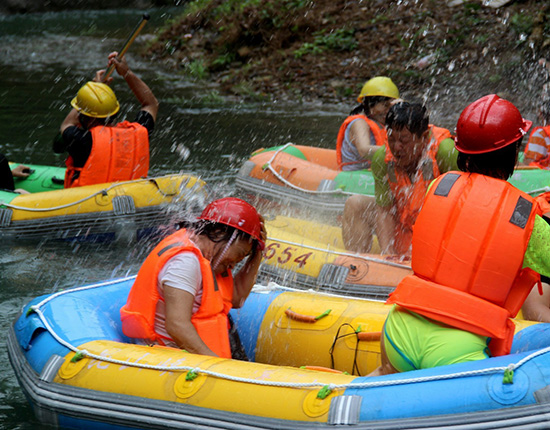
{"x":79,"y":371}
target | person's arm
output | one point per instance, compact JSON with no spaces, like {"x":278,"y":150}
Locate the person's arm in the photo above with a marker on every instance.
{"x":179,"y":309}
{"x":385,"y":229}
{"x":360,"y":136}
{"x":537,"y":307}
{"x":143,"y":93}
{"x":385,"y":221}
{"x":245,"y":279}
{"x":71,"y":120}
{"x":181,"y":282}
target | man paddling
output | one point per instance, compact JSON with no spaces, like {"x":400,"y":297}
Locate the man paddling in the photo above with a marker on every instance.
{"x":99,"y":150}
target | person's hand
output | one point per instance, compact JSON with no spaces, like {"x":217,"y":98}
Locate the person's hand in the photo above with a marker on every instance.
{"x":120,"y":64}
{"x":395,"y":101}
{"x":263,"y":236}
{"x":263,"y":231}
{"x":99,"y":77}
{"x":21,"y":171}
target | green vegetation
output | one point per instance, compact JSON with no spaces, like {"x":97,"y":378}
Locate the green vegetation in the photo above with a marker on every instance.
{"x":196,"y":69}
{"x":223,"y":60}
{"x":321,"y":48}
{"x":521,"y":23}
{"x":337,"y":40}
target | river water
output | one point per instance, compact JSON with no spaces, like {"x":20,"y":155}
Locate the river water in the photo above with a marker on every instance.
{"x":44,"y":59}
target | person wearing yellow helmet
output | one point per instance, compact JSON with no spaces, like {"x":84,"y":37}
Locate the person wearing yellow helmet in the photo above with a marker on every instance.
{"x":100,"y":150}
{"x":363,"y":132}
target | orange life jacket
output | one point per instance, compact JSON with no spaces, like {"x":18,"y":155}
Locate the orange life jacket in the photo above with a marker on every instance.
{"x":543,"y":163}
{"x":543,"y":200}
{"x":468,"y":246}
{"x":409,"y":196}
{"x":210,"y":321}
{"x":379,"y":133}
{"x":119,"y":153}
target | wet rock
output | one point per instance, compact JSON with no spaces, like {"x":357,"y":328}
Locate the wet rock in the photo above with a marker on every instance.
{"x":244,"y":52}
{"x":425,"y":61}
{"x":337,"y":84}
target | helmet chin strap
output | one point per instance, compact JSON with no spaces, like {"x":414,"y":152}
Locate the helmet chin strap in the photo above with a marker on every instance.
{"x":224,"y":251}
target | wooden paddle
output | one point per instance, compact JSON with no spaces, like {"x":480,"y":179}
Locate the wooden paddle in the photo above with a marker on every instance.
{"x":127,"y":44}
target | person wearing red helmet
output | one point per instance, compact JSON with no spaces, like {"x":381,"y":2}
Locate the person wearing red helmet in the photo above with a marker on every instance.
{"x":185,"y":288}
{"x":478,"y":247}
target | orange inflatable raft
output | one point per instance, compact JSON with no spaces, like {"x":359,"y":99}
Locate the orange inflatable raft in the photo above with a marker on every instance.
{"x":307,"y":178}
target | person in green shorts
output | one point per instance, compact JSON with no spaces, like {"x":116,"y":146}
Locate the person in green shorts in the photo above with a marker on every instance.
{"x":416,"y":153}
{"x":478,"y":247}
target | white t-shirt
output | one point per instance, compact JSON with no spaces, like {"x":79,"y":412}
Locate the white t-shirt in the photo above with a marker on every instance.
{"x":184,"y":273}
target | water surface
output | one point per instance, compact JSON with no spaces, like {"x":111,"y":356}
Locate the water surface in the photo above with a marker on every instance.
{"x":44,"y":59}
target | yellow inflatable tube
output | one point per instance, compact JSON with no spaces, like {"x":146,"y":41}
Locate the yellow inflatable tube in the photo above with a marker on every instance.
{"x":99,"y":198}
{"x":284,"y":345}
{"x":204,"y":391}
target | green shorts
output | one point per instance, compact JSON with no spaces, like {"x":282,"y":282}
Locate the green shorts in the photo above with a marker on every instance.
{"x":414,"y":342}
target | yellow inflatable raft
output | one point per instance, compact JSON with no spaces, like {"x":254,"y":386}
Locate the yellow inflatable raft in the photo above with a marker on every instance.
{"x":103,"y":212}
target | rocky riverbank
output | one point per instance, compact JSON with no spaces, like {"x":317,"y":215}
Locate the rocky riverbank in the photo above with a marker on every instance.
{"x":326,"y":49}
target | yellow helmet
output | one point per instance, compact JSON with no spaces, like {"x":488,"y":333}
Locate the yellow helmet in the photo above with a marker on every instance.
{"x":96,"y":99}
{"x":379,"y":86}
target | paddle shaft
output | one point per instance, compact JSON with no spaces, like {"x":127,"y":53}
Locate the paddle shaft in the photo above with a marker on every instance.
{"x":127,"y":44}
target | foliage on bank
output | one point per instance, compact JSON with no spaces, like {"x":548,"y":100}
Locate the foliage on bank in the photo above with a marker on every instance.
{"x":328,"y":48}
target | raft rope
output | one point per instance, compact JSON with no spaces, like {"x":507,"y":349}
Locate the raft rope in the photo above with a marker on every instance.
{"x":337,"y":337}
{"x":538,"y":191}
{"x":325,"y":390}
{"x":344,"y":254}
{"x":268,"y":166}
{"x":103,"y":192}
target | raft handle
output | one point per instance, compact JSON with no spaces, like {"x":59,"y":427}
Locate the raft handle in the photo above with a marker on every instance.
{"x":305,"y":318}
{"x":58,"y":181}
{"x":369,"y":336}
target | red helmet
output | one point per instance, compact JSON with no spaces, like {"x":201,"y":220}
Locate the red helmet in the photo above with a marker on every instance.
{"x":235,"y":213}
{"x":488,"y":124}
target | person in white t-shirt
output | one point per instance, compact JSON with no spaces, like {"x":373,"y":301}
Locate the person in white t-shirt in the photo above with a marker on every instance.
{"x":185,"y":288}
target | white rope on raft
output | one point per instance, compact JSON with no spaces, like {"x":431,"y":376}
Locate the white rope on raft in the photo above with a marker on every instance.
{"x":83,"y":353}
{"x":267,"y":165}
{"x":344,"y":254}
{"x":103,"y":191}
{"x":539,"y":191}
